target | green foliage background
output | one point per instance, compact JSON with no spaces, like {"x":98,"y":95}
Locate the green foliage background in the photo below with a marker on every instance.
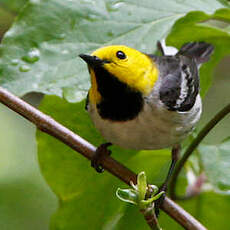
{"x":39,"y":53}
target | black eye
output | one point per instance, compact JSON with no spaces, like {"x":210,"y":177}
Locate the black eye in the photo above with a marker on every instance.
{"x":120,"y":55}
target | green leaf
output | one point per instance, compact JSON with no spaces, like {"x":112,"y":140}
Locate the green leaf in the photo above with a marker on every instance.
{"x":211,"y":209}
{"x":6,"y":19}
{"x":127,"y":195}
{"x":26,"y":201}
{"x":198,"y":26}
{"x":60,"y":30}
{"x":216,"y":162}
{"x":13,"y":6}
{"x":88,"y":199}
{"x":211,"y":205}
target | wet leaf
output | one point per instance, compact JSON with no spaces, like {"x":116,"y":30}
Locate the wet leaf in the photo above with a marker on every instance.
{"x":216,"y":162}
{"x":60,"y":30}
{"x":198,"y":26}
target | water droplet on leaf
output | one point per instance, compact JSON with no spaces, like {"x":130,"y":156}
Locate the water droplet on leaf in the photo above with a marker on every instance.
{"x":73,"y":94}
{"x":65,"y":51}
{"x":117,"y":5}
{"x":114,"y":6}
{"x":14,"y":62}
{"x":32,"y":56}
{"x":24,"y":68}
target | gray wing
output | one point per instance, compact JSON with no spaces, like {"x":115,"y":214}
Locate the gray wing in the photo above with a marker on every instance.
{"x":179,"y":75}
{"x":179,"y":82}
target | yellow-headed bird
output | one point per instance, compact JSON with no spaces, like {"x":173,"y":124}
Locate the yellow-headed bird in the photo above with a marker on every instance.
{"x":142,"y":101}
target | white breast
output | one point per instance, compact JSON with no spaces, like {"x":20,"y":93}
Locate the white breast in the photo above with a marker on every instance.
{"x":154,"y":128}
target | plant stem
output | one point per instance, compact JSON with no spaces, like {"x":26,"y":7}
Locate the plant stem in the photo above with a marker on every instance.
{"x":150,"y":217}
{"x":55,"y":129}
{"x":202,"y":134}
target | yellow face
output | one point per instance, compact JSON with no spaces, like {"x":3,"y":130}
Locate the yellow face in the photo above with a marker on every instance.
{"x":130,"y":66}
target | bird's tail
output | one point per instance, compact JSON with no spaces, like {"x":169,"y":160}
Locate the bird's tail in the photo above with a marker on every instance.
{"x":200,"y":51}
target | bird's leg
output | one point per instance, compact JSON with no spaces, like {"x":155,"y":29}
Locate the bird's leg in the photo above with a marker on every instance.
{"x":100,"y":153}
{"x":160,"y":48}
{"x":175,"y":155}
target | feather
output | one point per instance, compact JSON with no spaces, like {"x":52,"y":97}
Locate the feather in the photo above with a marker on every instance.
{"x":200,"y":51}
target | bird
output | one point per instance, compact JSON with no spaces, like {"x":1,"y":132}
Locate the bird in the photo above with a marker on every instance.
{"x":145,"y":101}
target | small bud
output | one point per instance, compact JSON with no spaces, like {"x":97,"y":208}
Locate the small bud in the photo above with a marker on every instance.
{"x":141,"y":185}
{"x":137,"y":194}
{"x":153,"y":189}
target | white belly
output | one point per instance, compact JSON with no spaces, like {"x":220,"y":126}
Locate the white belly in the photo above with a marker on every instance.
{"x":154,"y":128}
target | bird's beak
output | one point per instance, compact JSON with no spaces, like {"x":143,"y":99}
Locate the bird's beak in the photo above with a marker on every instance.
{"x":92,"y":61}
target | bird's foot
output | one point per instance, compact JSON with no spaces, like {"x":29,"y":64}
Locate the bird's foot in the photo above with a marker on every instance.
{"x":100,"y":153}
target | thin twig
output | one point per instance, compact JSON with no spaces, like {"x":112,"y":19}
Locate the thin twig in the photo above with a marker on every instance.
{"x":202,"y":134}
{"x":150,"y":217}
{"x":55,"y":129}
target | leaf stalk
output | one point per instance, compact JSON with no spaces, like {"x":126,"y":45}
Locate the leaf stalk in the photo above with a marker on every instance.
{"x":202,"y":134}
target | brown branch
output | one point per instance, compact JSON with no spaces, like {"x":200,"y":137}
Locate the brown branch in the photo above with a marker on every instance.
{"x":55,"y":129}
{"x":150,"y":217}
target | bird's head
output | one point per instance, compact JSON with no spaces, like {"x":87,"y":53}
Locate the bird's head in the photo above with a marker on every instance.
{"x":129,"y":66}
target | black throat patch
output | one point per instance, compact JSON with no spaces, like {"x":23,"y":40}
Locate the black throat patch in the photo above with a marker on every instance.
{"x":119,"y":101}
